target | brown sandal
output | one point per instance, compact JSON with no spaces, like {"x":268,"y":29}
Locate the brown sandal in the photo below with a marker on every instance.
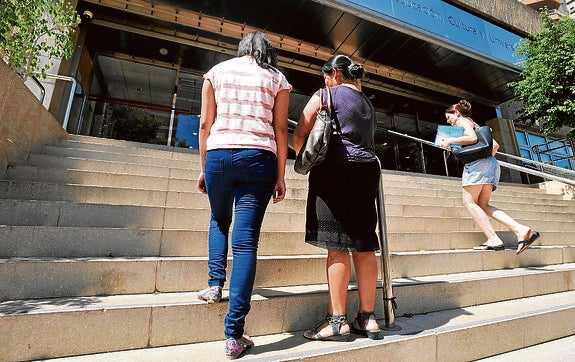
{"x":336,"y":322}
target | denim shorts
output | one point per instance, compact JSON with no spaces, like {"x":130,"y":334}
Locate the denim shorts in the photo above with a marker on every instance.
{"x":481,"y":172}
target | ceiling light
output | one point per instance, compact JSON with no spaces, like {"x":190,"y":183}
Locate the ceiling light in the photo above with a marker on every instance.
{"x":163,"y":51}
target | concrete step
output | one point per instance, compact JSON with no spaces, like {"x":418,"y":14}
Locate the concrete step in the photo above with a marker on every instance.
{"x":115,"y":234}
{"x":447,"y":318}
{"x":452,"y":240}
{"x":391,"y":178}
{"x":116,"y":146}
{"x":49,"y":161}
{"x":71,"y":242}
{"x":181,"y":180}
{"x":453,"y":198}
{"x":49,"y":191}
{"x":72,"y":214}
{"x":102,"y":142}
{"x":428,"y":224}
{"x":59,"y":242}
{"x":104,"y":159}
{"x":25,"y":278}
{"x":418,"y":186}
{"x":507,"y":194}
{"x":163,"y":169}
{"x":150,"y":158}
{"x":91,"y":152}
{"x":191,"y":170}
{"x":404,"y":219}
{"x":95,"y":178}
{"x":80,"y":150}
{"x":125,"y":147}
{"x":556,"y":350}
{"x":462,"y":334}
{"x":519,"y":212}
{"x":185,"y":183}
{"x":395,"y":205}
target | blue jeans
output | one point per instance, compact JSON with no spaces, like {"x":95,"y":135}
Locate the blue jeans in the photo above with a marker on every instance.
{"x":246,"y":177}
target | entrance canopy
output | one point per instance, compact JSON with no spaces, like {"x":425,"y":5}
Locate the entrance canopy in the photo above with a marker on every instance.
{"x":144,"y":51}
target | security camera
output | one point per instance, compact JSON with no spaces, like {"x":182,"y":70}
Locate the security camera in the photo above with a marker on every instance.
{"x":87,"y":15}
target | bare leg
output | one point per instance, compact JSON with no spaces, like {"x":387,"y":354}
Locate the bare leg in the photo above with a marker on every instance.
{"x":338,"y":273}
{"x":477,"y":197}
{"x":338,"y":269}
{"x":470,"y":198}
{"x":365,"y":264}
{"x":520,"y":230}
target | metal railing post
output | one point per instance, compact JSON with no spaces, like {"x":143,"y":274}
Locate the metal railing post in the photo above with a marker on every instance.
{"x":42,"y":89}
{"x":445,"y":162}
{"x":389,"y":303}
{"x":70,"y":97}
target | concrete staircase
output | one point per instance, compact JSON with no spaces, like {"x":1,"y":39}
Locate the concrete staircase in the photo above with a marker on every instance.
{"x":103,"y":248}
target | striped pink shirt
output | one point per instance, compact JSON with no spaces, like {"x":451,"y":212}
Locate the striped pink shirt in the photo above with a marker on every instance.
{"x":245,"y":94}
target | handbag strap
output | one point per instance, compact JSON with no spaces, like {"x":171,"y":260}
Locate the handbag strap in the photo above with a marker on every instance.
{"x":328,"y":106}
{"x":323,"y":105}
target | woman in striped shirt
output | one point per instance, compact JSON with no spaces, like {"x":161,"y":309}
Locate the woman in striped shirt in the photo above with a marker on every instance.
{"x":243,"y":151}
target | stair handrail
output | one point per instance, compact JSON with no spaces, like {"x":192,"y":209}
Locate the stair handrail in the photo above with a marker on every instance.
{"x":543,"y":165}
{"x":41,"y":87}
{"x":70,"y":96}
{"x":544,"y":175}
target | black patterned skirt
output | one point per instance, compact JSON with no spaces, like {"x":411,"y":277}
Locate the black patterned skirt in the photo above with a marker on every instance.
{"x":341,"y":211}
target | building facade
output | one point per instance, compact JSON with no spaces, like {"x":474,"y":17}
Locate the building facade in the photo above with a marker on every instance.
{"x":420,"y":56}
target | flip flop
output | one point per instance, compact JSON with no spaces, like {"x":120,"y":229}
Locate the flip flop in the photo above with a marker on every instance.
{"x":524,"y":244}
{"x":489,"y":247}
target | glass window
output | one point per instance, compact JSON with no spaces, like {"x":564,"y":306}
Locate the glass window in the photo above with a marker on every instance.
{"x":522,"y":139}
{"x":539,"y":148}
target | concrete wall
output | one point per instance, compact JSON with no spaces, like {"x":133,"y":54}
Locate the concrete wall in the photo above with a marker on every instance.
{"x":507,"y":13}
{"x":25,"y":125}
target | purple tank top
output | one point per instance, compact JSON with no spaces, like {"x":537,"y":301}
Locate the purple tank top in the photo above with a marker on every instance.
{"x":352,"y":139}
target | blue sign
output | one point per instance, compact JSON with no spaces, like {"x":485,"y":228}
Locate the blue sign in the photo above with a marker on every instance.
{"x":188,"y":131}
{"x":447,"y":22}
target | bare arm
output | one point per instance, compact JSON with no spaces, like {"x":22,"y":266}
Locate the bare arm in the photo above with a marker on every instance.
{"x":495,"y":147}
{"x":306,"y":122}
{"x":207,"y":117}
{"x":280,"y":124}
{"x":469,"y":136}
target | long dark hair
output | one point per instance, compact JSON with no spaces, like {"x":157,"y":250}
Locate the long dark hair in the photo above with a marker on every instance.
{"x":258,"y":45}
{"x":343,"y":63}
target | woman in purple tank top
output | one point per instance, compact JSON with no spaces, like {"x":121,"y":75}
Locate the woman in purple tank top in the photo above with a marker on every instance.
{"x":340,"y":213}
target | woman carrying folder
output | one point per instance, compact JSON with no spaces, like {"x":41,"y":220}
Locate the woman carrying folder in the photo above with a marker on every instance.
{"x":480,"y":178}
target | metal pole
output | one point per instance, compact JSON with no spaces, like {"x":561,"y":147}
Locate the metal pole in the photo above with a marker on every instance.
{"x":389,"y":302}
{"x":70,"y":97}
{"x":173,"y":111}
{"x":42,"y":89}
{"x":445,"y":163}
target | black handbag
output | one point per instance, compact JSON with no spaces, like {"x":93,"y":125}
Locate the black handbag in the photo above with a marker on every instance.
{"x":481,"y":149}
{"x":315,"y":147}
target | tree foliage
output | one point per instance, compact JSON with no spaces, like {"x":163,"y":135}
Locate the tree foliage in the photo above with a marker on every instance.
{"x":546,"y":83}
{"x":130,"y":124}
{"x":32,"y":29}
